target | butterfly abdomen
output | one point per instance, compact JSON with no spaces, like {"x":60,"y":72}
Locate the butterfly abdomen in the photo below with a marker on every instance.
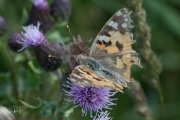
{"x":108,"y":74}
{"x":101,"y":71}
{"x":113,"y":77}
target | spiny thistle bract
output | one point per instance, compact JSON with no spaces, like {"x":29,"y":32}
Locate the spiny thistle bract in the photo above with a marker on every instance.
{"x":102,"y":116}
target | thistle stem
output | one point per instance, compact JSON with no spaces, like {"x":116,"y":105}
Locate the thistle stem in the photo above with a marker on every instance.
{"x":11,"y":67}
{"x":161,"y":97}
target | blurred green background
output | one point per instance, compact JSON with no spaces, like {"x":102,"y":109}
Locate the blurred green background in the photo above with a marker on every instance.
{"x":87,"y":19}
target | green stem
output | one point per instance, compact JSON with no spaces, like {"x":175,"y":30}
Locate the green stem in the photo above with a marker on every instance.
{"x":140,"y":101}
{"x":60,"y":79}
{"x":11,"y":67}
{"x":161,"y":97}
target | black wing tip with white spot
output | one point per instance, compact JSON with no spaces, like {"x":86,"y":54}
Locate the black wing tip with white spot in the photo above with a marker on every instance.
{"x":124,"y":20}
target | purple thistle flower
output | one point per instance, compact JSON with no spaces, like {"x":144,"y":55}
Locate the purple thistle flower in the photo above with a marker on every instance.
{"x":39,"y":3}
{"x":42,"y":47}
{"x":103,"y":116}
{"x":32,"y":36}
{"x":90,"y":98}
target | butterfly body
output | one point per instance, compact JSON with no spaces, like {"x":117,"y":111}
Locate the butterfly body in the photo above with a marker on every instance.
{"x":111,"y":56}
{"x":89,"y":62}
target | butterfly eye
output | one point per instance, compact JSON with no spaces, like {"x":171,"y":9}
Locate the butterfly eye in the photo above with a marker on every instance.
{"x":80,"y":58}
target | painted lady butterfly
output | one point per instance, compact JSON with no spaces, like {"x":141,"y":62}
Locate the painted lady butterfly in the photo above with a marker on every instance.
{"x":110,"y":57}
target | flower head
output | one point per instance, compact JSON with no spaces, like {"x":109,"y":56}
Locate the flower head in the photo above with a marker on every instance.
{"x":42,"y":48}
{"x":102,"y":116}
{"x":40,"y":3}
{"x":90,"y":98}
{"x":32,"y":36}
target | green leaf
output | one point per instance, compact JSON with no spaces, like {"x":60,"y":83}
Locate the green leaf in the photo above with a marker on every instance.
{"x":65,"y":109}
{"x":24,"y":17}
{"x":33,"y":68}
{"x":57,"y":37}
{"x":61,"y":24}
{"x":19,"y":58}
{"x":54,"y":78}
{"x":31,"y":106}
{"x":68,"y":112}
{"x":48,"y":108}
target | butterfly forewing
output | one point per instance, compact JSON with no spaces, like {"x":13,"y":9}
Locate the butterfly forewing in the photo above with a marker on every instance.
{"x":114,"y":36}
{"x":115,"y":41}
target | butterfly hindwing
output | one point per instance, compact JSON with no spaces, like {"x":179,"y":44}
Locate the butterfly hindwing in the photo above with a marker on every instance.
{"x":124,"y":63}
{"x":82,"y":76}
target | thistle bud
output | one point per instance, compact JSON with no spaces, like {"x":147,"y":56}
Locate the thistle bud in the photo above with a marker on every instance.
{"x":48,"y":55}
{"x":61,"y":9}
{"x":42,"y":48}
{"x":13,"y":41}
{"x":3,"y":25}
{"x":40,"y":11}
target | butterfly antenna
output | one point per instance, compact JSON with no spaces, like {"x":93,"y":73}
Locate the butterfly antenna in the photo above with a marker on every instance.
{"x":70,"y":33}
